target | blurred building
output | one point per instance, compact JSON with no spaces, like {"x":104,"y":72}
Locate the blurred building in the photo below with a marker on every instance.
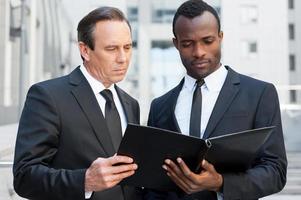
{"x":156,"y":63}
{"x":263,"y":39}
{"x":33,"y":48}
{"x":260,"y":40}
{"x":256,"y":40}
{"x":294,"y":57}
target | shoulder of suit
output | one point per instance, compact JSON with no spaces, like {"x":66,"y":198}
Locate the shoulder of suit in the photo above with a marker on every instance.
{"x":248,"y":80}
{"x":125,"y":94}
{"x":253,"y":82}
{"x":166,"y":97}
{"x":56,"y":86}
{"x":62,"y":80}
{"x":54,"y":82}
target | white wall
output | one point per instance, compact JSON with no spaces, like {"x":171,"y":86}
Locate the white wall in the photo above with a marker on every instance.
{"x":271,"y":33}
{"x":295,"y":47}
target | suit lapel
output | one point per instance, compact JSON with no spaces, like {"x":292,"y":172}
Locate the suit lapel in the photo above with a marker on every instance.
{"x":226,"y":96}
{"x":127,"y":106}
{"x":171,"y":106}
{"x":87,"y":101}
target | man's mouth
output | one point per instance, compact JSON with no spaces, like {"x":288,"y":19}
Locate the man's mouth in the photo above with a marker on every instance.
{"x":200,"y":64}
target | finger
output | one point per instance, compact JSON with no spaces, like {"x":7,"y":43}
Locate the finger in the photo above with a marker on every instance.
{"x":179,"y":171}
{"x":197,"y":180}
{"x":172,"y":166}
{"x":116,"y":159}
{"x":186,"y":171}
{"x":118,"y":177}
{"x":187,"y":188}
{"x":177,"y":180}
{"x":177,"y":175}
{"x":111,"y":181}
{"x":207,"y":166}
{"x":104,"y":167}
{"x":123,"y":168}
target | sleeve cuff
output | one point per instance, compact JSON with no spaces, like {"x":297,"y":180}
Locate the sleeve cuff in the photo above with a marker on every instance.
{"x":88,"y":195}
{"x":220,"y":196}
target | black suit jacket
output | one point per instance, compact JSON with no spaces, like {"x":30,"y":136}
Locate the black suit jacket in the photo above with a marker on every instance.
{"x":61,"y":132}
{"x":243,"y":103}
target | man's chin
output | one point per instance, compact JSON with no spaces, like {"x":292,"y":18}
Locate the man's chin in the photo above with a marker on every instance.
{"x":118,"y":79}
{"x":199,"y":74}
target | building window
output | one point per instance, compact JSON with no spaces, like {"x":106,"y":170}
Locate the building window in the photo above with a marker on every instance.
{"x":249,"y":49}
{"x":253,"y":47}
{"x":293,"y":96}
{"x":134,"y":43}
{"x":132,"y":14}
{"x":15,"y":25}
{"x":162,"y":44}
{"x":249,"y":14}
{"x":291,"y":4}
{"x":291,"y":31}
{"x":163,"y":15}
{"x":292,"y":62}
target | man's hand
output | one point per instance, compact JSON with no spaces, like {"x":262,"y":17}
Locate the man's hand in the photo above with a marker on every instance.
{"x":189,"y":182}
{"x":105,"y":173}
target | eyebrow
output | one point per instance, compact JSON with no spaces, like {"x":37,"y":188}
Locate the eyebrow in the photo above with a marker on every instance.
{"x":186,"y":40}
{"x":209,"y":37}
{"x":116,"y":45}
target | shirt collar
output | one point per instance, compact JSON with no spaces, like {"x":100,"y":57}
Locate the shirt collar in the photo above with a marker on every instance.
{"x":189,"y":82}
{"x":96,"y":85}
{"x":213,"y":82}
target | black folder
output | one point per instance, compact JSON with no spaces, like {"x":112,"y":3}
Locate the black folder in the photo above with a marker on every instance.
{"x":150,"y":146}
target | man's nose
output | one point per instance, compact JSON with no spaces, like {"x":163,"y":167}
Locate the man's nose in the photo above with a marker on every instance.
{"x":198,"y":51}
{"x":121,"y":58}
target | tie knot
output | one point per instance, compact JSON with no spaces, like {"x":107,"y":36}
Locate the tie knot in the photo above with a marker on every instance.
{"x":107,"y":94}
{"x":200,"y":82}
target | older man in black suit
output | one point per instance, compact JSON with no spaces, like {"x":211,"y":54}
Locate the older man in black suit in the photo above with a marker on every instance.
{"x":71,"y":126}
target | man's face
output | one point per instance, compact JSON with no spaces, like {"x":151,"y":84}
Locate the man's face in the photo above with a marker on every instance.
{"x":199,"y":44}
{"x":109,"y":60}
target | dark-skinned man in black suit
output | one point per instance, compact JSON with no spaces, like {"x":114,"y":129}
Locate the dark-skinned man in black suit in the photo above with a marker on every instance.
{"x":230,"y":102}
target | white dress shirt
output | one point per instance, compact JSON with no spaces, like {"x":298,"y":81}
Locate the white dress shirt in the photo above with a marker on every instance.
{"x":210,"y":91}
{"x":97,"y":87}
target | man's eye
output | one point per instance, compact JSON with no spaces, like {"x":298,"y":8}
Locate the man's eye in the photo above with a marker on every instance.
{"x":111,"y":48}
{"x":128,"y":47}
{"x":186,"y":44}
{"x":209,"y":41}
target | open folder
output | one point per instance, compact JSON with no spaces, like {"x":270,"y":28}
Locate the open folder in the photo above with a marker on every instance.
{"x":150,"y":146}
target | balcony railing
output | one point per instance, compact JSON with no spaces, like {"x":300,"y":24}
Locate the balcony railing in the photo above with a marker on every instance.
{"x":6,"y":164}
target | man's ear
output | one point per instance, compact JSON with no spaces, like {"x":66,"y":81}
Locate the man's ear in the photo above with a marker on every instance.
{"x":221,"y":35}
{"x":84,"y":51}
{"x":175,"y":42}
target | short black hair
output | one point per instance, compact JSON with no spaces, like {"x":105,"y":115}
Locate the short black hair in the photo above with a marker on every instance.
{"x":194,"y":8}
{"x":86,"y":26}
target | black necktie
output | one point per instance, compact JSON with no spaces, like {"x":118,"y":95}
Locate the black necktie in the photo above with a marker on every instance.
{"x":112,"y":118}
{"x":196,"y":110}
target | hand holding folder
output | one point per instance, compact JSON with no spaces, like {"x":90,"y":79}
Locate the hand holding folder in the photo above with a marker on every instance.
{"x":150,"y":146}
